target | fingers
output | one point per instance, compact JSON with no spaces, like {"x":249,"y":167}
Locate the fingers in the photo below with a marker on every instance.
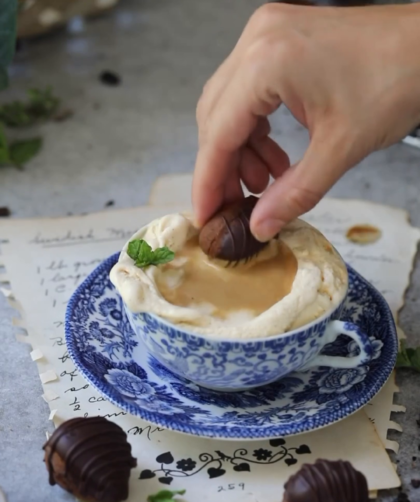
{"x":301,"y":187}
{"x":233,"y":188}
{"x":224,"y":133}
{"x":253,"y":171}
{"x":273,"y":156}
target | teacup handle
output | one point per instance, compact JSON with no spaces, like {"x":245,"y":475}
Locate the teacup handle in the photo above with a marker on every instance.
{"x":333,"y":331}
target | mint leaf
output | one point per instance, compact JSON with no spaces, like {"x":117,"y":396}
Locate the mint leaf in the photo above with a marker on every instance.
{"x":41,"y":106}
{"x":42,"y":103}
{"x":403,"y":361}
{"x":163,"y":255}
{"x":15,"y":115}
{"x":8,"y":20}
{"x":143,"y":255}
{"x":415,"y":359}
{"x":408,"y":357}
{"x":4,"y":149}
{"x":165,"y":496}
{"x":23,"y":151}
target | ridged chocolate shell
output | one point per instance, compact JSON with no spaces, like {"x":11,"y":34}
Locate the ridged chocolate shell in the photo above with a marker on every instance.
{"x":91,"y":458}
{"x":327,"y":481}
{"x":227,"y":236}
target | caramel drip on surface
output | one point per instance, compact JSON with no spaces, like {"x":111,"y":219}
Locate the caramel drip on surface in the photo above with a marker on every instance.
{"x":255,"y":286}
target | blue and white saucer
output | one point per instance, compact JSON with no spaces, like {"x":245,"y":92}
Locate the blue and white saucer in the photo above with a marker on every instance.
{"x":110,"y":357}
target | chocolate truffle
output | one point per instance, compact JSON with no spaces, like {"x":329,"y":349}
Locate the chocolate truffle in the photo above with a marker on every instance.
{"x":228,"y":236}
{"x":90,"y":458}
{"x":327,"y":481}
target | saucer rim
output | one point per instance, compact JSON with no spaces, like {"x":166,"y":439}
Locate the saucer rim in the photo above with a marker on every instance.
{"x":224,"y":432}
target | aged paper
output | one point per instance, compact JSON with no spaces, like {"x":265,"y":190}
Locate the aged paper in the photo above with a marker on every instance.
{"x":58,"y":254}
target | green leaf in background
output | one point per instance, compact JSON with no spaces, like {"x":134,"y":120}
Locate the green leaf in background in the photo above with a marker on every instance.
{"x":143,"y":255}
{"x":8,"y":20}
{"x":165,"y":496}
{"x":4,"y":149}
{"x":408,"y":357}
{"x":22,"y":151}
{"x":41,"y":105}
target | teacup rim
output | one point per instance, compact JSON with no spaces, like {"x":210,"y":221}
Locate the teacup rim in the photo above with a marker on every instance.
{"x":304,"y":327}
{"x":206,"y":336}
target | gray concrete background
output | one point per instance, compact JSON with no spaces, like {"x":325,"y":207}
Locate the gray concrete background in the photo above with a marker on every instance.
{"x":119,"y":140}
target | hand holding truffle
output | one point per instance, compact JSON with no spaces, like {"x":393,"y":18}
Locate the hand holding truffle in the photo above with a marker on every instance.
{"x":354,"y":96}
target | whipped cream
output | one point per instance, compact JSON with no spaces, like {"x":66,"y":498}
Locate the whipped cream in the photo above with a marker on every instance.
{"x":319,"y":286}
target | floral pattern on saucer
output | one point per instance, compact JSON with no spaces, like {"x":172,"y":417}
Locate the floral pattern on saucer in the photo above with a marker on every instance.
{"x":108,"y":354}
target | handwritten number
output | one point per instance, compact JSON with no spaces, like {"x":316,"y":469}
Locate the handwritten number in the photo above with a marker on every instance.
{"x":231,"y":486}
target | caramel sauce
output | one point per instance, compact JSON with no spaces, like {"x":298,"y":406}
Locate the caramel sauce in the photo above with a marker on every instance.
{"x":254,"y":286}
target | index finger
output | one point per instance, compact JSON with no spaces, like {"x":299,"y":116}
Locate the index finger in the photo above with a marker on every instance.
{"x":227,"y":128}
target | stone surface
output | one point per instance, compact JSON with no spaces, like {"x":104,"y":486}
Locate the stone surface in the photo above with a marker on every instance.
{"x":119,"y":140}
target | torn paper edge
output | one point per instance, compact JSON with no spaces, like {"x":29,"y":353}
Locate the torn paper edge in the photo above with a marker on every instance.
{"x":23,"y":335}
{"x":49,"y":395}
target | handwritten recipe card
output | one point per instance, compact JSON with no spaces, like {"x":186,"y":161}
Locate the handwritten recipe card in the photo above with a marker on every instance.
{"x":60,"y":253}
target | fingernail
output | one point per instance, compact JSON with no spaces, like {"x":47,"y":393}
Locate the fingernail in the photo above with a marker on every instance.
{"x":267,"y":229}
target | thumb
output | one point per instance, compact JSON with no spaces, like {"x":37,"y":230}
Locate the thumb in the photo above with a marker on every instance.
{"x":302,"y":186}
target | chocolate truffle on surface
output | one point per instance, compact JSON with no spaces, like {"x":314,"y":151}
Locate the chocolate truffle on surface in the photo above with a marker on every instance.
{"x":91,"y":458}
{"x":327,"y":481}
{"x":228,"y":236}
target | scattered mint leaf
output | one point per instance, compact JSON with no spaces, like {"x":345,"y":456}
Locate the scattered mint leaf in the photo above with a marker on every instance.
{"x":22,"y":152}
{"x":4,"y":149}
{"x":41,"y":106}
{"x":143,"y":255}
{"x":408,"y":357}
{"x":165,"y":496}
{"x":42,"y":103}
{"x":8,"y":21}
{"x":15,"y":114}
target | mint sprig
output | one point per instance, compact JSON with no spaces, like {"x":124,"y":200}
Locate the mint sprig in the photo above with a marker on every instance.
{"x":18,"y":153}
{"x":408,"y":357}
{"x":143,"y":255}
{"x":165,"y":496}
{"x":40,"y":106}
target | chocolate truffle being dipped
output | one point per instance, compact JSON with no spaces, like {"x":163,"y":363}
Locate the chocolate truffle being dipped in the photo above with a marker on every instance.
{"x":227,"y":235}
{"x":327,"y":481}
{"x":91,"y":458}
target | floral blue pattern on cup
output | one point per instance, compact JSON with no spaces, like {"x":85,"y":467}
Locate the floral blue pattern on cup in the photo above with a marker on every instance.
{"x":232,"y":365}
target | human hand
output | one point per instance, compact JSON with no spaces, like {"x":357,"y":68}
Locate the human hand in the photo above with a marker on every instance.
{"x":350,"y":75}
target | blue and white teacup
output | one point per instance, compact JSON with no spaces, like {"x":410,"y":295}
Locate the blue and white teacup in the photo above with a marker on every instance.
{"x":233,"y":365}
